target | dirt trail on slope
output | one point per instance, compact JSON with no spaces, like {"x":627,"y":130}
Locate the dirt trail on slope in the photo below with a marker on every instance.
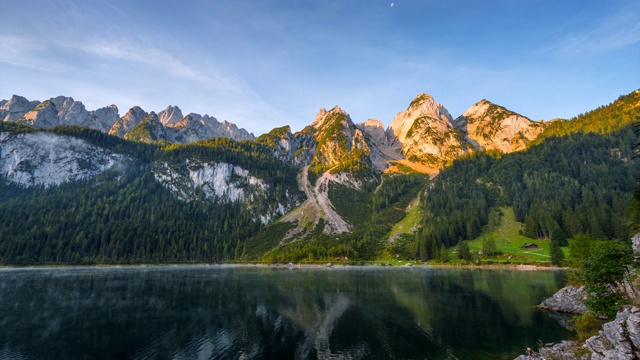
{"x":316,"y":206}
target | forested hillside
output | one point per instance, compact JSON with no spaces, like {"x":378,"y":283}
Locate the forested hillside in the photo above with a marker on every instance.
{"x":605,"y":119}
{"x":579,"y":183}
{"x":125,"y":215}
{"x":372,"y":213}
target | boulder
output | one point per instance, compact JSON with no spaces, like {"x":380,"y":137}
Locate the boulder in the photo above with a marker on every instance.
{"x":569,"y":299}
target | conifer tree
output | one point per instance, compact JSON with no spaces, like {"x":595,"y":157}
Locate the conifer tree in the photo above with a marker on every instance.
{"x":557,"y":255}
{"x":463,"y":251}
{"x":444,"y":254}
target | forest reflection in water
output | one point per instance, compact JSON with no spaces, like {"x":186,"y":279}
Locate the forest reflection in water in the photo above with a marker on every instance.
{"x":230,"y":312}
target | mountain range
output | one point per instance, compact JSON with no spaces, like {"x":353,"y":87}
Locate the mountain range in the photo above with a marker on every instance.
{"x":167,"y":125}
{"x":211,"y":183}
{"x":424,"y":133}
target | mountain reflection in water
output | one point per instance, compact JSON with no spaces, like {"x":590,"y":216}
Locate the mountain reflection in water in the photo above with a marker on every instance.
{"x":229,"y":312}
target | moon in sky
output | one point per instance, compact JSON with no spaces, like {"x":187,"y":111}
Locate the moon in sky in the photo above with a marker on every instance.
{"x":392,"y":4}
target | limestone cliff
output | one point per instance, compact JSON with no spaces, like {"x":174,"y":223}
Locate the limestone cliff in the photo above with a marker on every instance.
{"x":48,"y":159}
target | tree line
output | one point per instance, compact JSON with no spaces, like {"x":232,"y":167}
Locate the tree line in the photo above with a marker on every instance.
{"x":579,"y":183}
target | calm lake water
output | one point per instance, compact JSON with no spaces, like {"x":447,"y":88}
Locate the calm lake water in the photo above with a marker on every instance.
{"x":214,"y":312}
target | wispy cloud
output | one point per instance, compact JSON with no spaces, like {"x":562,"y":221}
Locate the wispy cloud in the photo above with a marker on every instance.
{"x":613,"y":32}
{"x":27,"y":53}
{"x":148,"y":56}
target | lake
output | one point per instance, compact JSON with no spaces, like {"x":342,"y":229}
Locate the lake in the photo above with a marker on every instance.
{"x":244,"y":312}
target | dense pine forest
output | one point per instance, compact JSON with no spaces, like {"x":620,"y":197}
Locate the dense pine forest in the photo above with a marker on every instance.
{"x":125,"y":216}
{"x":579,"y":183}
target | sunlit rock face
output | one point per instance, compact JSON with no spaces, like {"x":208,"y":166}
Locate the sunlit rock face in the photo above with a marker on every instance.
{"x":57,"y":111}
{"x":492,"y":127}
{"x":15,"y":107}
{"x":424,"y":133}
{"x":170,"y":116}
{"x":336,"y":136}
{"x":126,"y":123}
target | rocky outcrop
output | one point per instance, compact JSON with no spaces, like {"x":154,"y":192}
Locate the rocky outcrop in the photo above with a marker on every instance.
{"x":126,"y":123}
{"x":566,"y":350}
{"x":103,"y":118}
{"x":492,"y":127}
{"x":198,"y":127}
{"x":569,"y":299}
{"x":424,"y":133}
{"x":618,"y":340}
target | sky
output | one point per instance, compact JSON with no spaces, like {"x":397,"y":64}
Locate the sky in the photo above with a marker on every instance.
{"x":268,"y":63}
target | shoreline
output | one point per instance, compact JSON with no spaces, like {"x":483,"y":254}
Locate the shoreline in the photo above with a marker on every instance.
{"x":519,"y":267}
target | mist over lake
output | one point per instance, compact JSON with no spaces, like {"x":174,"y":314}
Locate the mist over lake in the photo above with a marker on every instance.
{"x":228,"y":312}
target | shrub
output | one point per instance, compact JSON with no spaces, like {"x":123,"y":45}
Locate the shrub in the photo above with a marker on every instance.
{"x":585,"y":326}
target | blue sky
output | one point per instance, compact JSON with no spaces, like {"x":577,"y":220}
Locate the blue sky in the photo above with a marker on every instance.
{"x":265,"y":63}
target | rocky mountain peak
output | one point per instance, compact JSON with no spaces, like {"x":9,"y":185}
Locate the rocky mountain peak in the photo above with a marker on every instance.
{"x":62,"y":110}
{"x":42,"y":116}
{"x":297,"y":149}
{"x":424,"y":133}
{"x":341,"y":145}
{"x":19,"y":103}
{"x":148,"y":129}
{"x":103,"y":118}
{"x":135,"y":114}
{"x":483,"y":108}
{"x":325,"y":119}
{"x":170,"y":116}
{"x":422,"y":108}
{"x":425,"y":105}
{"x":70,"y":112}
{"x":490,"y":126}
{"x":128,"y":121}
{"x":15,"y":107}
{"x":373,"y":123}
